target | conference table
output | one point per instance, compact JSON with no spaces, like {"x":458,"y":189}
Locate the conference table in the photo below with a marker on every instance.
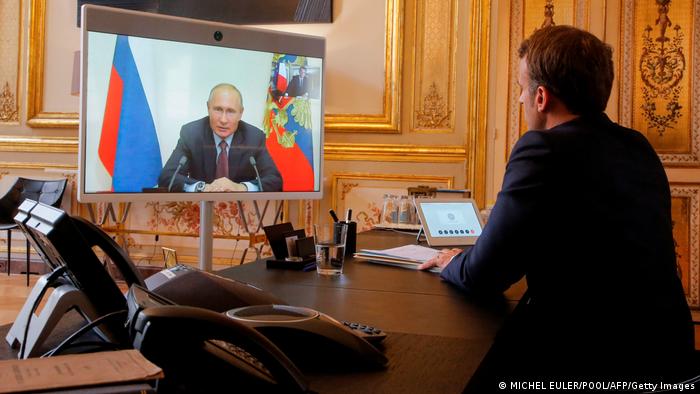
{"x":437,"y":335}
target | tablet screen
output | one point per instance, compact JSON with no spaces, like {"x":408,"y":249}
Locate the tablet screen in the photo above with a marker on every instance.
{"x":451,"y":219}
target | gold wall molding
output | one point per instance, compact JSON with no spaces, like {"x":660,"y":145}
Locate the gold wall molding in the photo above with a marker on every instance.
{"x":39,"y":144}
{"x":15,"y":165}
{"x":582,"y":15}
{"x":336,"y":178}
{"x":516,"y":36}
{"x":679,"y":146}
{"x":434,"y":63}
{"x":691,"y":192}
{"x":395,"y":153}
{"x":388,"y":120}
{"x":477,"y":98}
{"x":36,"y":117}
{"x":10,"y":101}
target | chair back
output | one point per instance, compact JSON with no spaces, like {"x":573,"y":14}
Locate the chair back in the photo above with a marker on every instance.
{"x":49,"y":192}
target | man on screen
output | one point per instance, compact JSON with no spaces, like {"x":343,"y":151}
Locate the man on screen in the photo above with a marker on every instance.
{"x":214,"y":153}
{"x":299,"y":85}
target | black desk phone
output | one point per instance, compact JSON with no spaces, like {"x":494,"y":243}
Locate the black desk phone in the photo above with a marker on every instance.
{"x":250,"y":348}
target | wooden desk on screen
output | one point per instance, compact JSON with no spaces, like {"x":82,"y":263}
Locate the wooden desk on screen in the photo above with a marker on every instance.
{"x":437,"y":336}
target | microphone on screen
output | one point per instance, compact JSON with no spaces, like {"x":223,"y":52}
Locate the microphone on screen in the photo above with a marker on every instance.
{"x":183,"y":161}
{"x":257,"y":174}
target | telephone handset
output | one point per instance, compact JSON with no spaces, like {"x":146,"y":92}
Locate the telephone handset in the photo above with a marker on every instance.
{"x":203,"y":351}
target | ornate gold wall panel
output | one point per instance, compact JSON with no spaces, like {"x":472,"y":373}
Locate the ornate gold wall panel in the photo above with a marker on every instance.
{"x":10,"y":61}
{"x":660,"y":85}
{"x":36,"y":117}
{"x":685,"y":208}
{"x":388,"y":120}
{"x":435,"y":44}
{"x":526,"y":16}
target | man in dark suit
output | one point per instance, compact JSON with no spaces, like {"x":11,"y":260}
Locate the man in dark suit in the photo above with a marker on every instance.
{"x":218,"y":150}
{"x":584,"y":214}
{"x":300,"y":84}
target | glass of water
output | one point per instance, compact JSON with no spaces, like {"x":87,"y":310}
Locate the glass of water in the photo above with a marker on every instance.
{"x":330,"y":247}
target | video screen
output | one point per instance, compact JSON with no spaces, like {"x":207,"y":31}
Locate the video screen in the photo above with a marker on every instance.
{"x":451,"y":219}
{"x":169,"y":116}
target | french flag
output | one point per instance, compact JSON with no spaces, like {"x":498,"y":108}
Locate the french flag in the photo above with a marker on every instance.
{"x":282,"y":77}
{"x":128,"y":148}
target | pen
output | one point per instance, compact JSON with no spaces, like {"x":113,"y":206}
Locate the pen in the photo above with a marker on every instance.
{"x":333,"y":215}
{"x":348,"y":215}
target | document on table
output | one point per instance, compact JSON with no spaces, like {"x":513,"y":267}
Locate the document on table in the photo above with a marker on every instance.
{"x":77,"y":370}
{"x":408,"y":256}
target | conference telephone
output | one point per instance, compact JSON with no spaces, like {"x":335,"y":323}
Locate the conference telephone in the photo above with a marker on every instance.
{"x":264,"y":346}
{"x":203,"y":351}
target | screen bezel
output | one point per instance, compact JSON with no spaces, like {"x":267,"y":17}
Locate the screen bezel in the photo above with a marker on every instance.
{"x":447,"y":241}
{"x":164,"y":27}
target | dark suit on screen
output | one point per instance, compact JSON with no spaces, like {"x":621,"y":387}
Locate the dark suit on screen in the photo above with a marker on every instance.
{"x":298,"y":87}
{"x":197,"y":144}
{"x":585,"y":214}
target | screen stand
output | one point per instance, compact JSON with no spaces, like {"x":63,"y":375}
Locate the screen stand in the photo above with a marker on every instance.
{"x":206,"y":240}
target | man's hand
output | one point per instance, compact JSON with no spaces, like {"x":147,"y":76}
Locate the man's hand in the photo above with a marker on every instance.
{"x":224,"y":184}
{"x":441,"y":260}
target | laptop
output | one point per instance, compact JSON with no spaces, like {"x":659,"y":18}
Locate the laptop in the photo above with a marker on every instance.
{"x":449,"y":221}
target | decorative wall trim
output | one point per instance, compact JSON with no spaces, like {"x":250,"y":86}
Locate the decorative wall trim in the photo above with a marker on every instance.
{"x":477,"y":92}
{"x":434,"y":60}
{"x":516,"y":32}
{"x":388,"y":121}
{"x":36,"y":117}
{"x":14,"y":165}
{"x":395,"y":153}
{"x":627,"y":83}
{"x":9,"y":107}
{"x":692,"y":191}
{"x":39,"y":144}
{"x":582,"y":14}
{"x":10,"y":102}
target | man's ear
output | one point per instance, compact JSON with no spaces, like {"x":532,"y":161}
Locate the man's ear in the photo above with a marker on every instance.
{"x":543,"y":99}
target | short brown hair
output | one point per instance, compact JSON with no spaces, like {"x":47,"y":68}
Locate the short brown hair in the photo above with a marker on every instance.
{"x":573,"y":64}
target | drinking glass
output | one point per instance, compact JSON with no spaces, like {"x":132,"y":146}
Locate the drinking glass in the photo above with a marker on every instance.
{"x":330,"y":247}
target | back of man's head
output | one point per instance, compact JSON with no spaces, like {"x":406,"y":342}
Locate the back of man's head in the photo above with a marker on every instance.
{"x":573,"y":64}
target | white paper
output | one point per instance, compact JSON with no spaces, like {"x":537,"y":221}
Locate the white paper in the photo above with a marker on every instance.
{"x":415,"y":253}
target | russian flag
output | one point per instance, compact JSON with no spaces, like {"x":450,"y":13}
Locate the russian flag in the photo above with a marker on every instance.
{"x":288,"y":127}
{"x":128,"y":148}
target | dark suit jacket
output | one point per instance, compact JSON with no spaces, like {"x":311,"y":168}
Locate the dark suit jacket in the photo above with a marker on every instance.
{"x":585,"y":214}
{"x":197,"y":144}
{"x":298,"y":89}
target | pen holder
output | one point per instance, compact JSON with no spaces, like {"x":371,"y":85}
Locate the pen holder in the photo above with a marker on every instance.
{"x":351,"y":238}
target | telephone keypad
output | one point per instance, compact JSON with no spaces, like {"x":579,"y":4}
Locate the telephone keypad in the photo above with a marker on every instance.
{"x":369,"y":333}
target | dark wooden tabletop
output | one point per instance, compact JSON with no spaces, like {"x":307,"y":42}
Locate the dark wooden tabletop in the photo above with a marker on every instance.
{"x":437,"y":335}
